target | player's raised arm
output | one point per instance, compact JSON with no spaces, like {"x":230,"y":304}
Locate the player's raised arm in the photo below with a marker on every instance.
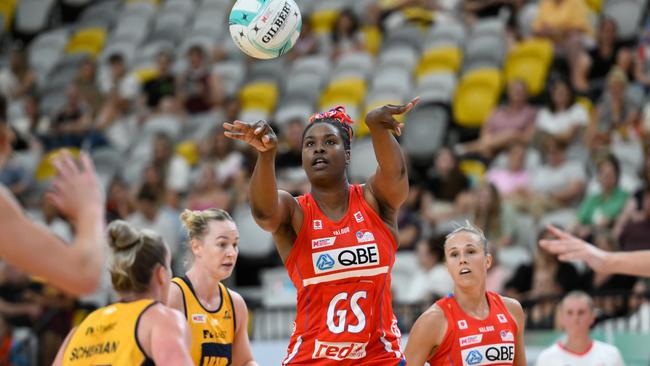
{"x":571,"y":248}
{"x":389,"y":184}
{"x":75,"y":268}
{"x":270,"y":208}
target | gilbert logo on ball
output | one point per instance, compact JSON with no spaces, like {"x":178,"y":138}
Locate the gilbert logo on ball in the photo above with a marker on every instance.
{"x":265,"y":29}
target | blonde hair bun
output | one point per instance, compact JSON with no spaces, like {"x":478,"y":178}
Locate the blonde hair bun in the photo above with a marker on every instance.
{"x":122,"y":235}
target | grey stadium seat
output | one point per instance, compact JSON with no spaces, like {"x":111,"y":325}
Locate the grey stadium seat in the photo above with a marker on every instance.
{"x":446,"y":33}
{"x":484,"y":51}
{"x":627,"y":14}
{"x":425,"y":130}
{"x":402,"y":56}
{"x":438,"y":87}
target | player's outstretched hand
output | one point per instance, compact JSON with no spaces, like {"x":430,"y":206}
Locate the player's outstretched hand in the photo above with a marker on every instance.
{"x":383,"y":116}
{"x":76,"y":191}
{"x":259,"y":135}
{"x":571,"y":248}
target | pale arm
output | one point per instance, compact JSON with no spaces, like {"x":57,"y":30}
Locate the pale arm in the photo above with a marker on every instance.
{"x":517,"y":312}
{"x":241,"y":354}
{"x":427,"y":334}
{"x":169,"y":337}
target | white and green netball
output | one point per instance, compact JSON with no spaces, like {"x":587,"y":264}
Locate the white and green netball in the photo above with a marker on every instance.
{"x":265,"y":29}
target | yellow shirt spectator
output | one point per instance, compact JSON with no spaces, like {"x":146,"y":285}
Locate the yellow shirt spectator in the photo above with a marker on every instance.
{"x":562,"y":16}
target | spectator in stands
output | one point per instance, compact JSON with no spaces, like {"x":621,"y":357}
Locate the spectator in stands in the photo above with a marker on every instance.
{"x":163,"y":85}
{"x":444,"y":187}
{"x":32,"y":122}
{"x":408,"y":220}
{"x":557,"y":184}
{"x":540,"y":282}
{"x":577,"y":315}
{"x":16,"y":81}
{"x":642,"y":58}
{"x":635,"y":211}
{"x":151,"y":214}
{"x":497,"y":220}
{"x":86,"y":83}
{"x":15,"y":304}
{"x":591,"y":67}
{"x":431,"y":279}
{"x":119,"y":203}
{"x":514,"y":177}
{"x":636,"y":231}
{"x":110,"y":84}
{"x":199,"y":90}
{"x":562,"y":117}
{"x":72,"y":124}
{"x":616,"y":113}
{"x":345,"y":35}
{"x":218,"y":151}
{"x":565,"y":22}
{"x":208,"y":193}
{"x":600,"y":210}
{"x":307,"y":43}
{"x":510,"y":123}
{"x":174,"y":168}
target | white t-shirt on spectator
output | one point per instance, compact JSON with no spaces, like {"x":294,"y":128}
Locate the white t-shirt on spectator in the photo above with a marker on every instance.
{"x":561,"y":122}
{"x":599,"y":354}
{"x":547,"y":179}
{"x":178,"y":174}
{"x":424,"y":284}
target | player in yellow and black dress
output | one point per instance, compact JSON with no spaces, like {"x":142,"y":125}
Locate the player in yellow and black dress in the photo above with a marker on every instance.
{"x":217,"y":316}
{"x":138,"y":330}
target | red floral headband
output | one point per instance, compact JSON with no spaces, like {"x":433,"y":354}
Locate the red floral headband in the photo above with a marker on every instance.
{"x":338,"y":114}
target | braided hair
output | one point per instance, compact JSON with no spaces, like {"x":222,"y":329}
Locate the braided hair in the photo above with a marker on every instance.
{"x":336,"y":117}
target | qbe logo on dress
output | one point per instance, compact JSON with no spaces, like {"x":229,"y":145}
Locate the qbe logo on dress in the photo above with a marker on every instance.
{"x":346,"y":258}
{"x":473,"y":358}
{"x":493,"y":354}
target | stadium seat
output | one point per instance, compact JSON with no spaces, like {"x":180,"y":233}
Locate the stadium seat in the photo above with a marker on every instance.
{"x":473,"y":169}
{"x":595,"y":5}
{"x":343,"y":91}
{"x":8,"y":9}
{"x":394,"y":79}
{"x":438,"y":87}
{"x":526,"y":17}
{"x":424,"y":130}
{"x":267,"y":70}
{"x":356,"y":62}
{"x":259,"y":96}
{"x":363,"y":162}
{"x":45,"y":170}
{"x":46,"y":50}
{"x":400,"y":56}
{"x":627,"y":14}
{"x":529,"y":61}
{"x":489,"y":27}
{"x":304,"y":86}
{"x":88,"y":40}
{"x":484,"y":51}
{"x":375,"y":101}
{"x":476,"y":96}
{"x":445,"y":34}
{"x":123,"y":48}
{"x":322,"y":21}
{"x":32,"y":16}
{"x":232,"y":75}
{"x":169,"y":27}
{"x":293,"y":110}
{"x":442,"y":59}
{"x":108,"y":11}
{"x":410,"y":35}
{"x":189,"y":150}
{"x":372,"y":38}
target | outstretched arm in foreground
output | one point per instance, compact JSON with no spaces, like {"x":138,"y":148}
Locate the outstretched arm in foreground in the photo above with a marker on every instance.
{"x":75,"y":268}
{"x":571,"y":248}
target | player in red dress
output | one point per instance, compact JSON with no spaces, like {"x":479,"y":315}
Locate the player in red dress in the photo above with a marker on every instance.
{"x":338,"y":241}
{"x":472,"y":326}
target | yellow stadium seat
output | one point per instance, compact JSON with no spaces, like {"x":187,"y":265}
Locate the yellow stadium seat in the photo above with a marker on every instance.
{"x":476,"y":96}
{"x":360,"y":127}
{"x":45,"y":170}
{"x":88,"y":40}
{"x":529,"y":61}
{"x":585,"y":102}
{"x":595,"y":5}
{"x":350,"y":91}
{"x":473,"y":169}
{"x":146,"y":74}
{"x":8,"y":9}
{"x":189,"y":150}
{"x":372,"y":39}
{"x":419,"y":15}
{"x":260,"y":96}
{"x":323,"y":20}
{"x":439,"y":59}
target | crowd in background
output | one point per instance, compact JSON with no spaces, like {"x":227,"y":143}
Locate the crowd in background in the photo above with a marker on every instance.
{"x":575,"y":156}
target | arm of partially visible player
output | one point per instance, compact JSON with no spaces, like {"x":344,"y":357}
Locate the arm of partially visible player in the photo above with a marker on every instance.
{"x":169,"y":338}
{"x":58,"y":361}
{"x":571,"y":248}
{"x":75,"y":268}
{"x":389,"y":184}
{"x":517,"y":312}
{"x":241,"y":353}
{"x":427,"y":334}
{"x":175,"y":299}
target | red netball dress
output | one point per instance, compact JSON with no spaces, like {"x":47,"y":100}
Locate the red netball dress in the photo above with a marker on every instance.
{"x":342,"y":273}
{"x":470,"y":341}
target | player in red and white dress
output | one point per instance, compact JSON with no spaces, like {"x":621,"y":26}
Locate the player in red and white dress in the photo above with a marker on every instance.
{"x":338,"y":241}
{"x":472,"y":326}
{"x":578,"y":348}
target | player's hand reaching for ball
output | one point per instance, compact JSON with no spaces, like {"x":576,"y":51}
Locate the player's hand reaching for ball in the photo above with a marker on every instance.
{"x":383,"y":116}
{"x":259,"y":135}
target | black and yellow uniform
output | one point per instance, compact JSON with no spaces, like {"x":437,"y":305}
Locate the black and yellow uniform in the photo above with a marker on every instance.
{"x":212,"y":331}
{"x":108,"y":336}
